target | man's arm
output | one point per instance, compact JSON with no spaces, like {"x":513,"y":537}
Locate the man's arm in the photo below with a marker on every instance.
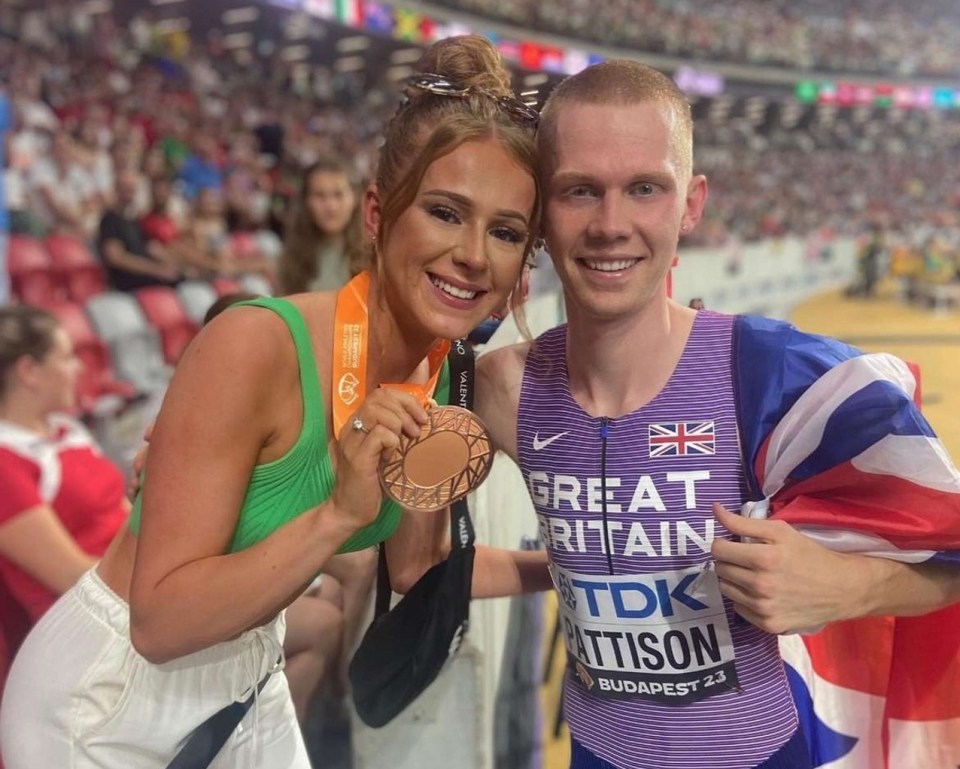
{"x":499,"y":571}
{"x":68,"y":212}
{"x":820,"y":394}
{"x":784,"y":582}
{"x":423,"y":538}
{"x":116,"y":255}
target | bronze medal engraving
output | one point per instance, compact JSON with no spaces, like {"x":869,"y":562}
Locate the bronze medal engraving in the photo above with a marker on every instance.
{"x":449,"y":459}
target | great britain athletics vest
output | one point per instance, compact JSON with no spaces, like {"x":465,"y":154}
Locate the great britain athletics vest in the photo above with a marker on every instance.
{"x":662,"y":673}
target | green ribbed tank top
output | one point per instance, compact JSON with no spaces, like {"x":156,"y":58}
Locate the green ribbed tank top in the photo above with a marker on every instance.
{"x":302,"y":478}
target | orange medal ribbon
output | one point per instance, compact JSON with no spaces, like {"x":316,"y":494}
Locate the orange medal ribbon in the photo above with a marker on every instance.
{"x":350,"y":341}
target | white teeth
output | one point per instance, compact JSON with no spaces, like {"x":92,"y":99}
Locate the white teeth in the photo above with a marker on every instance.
{"x":459,"y":293}
{"x":608,"y":266}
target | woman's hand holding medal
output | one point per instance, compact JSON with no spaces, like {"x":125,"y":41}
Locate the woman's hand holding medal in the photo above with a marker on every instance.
{"x":423,"y":459}
{"x":426,"y":456}
{"x":372,"y":431}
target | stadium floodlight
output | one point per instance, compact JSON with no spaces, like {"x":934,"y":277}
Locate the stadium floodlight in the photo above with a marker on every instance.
{"x":170,"y":26}
{"x":243,"y":15}
{"x":295,"y":52}
{"x":237,"y":40}
{"x":353,"y":43}
{"x":94,"y":7}
{"x":406,"y":55}
{"x":349,"y":64}
{"x":398,"y":73}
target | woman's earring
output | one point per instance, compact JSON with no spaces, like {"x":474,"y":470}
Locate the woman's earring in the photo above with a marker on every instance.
{"x":539,"y":244}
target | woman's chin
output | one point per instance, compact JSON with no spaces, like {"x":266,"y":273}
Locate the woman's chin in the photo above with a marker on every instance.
{"x":460,"y":327}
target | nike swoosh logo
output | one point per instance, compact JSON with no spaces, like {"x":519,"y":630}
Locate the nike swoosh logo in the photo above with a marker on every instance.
{"x":539,"y":445}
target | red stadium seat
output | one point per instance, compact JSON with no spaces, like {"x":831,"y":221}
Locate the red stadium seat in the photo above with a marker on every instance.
{"x":80,"y":272}
{"x":226,"y":286}
{"x":244,"y":245}
{"x":14,"y":626}
{"x":163,"y":310}
{"x":134,"y":343}
{"x":98,"y":380}
{"x":32,"y":276}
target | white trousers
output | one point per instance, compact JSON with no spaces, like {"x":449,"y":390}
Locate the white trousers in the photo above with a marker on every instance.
{"x":79,"y":696}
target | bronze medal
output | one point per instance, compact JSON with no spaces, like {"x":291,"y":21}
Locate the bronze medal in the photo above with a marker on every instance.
{"x":450,"y":458}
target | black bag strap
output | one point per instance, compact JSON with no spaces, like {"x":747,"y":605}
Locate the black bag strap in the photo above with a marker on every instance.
{"x":206,"y":740}
{"x":462,"y":372}
{"x":462,"y":368}
{"x":384,"y":591}
{"x":462,"y":384}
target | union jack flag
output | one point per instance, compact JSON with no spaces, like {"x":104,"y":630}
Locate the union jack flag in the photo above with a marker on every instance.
{"x":680,"y":439}
{"x":836,"y":447}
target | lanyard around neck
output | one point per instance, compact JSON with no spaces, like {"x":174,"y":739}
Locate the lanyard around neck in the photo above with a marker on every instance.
{"x":350,"y":349}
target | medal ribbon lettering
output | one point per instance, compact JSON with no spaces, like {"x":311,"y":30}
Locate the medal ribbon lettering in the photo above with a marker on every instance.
{"x":350,"y":343}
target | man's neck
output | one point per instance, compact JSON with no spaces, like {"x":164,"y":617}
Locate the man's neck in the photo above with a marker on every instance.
{"x":127,"y":210}
{"x":619,"y":365}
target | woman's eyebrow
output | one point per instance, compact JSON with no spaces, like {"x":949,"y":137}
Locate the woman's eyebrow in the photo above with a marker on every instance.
{"x":466,"y":202}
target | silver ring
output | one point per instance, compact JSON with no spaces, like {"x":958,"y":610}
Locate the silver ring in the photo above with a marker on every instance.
{"x":359,"y":425}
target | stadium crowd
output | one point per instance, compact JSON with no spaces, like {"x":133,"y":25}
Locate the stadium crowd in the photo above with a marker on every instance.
{"x":870,"y":36}
{"x":210,"y":146}
{"x":205,"y":147}
{"x":234,"y":135}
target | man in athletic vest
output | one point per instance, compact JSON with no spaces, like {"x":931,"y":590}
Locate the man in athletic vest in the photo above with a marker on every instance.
{"x":640,"y":424}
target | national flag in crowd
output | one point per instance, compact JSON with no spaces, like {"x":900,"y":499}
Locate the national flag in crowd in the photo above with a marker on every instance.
{"x":378,"y":17}
{"x":408,"y":26}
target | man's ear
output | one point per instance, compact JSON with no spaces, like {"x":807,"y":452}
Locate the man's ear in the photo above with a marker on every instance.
{"x":372,"y":214}
{"x":696,"y":199}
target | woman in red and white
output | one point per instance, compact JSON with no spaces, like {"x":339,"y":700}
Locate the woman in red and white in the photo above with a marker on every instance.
{"x":62,"y":500}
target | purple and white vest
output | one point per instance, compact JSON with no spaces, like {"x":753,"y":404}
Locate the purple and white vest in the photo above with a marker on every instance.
{"x":663,"y":674}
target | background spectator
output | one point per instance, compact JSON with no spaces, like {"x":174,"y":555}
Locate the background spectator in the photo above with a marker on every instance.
{"x":131,"y":258}
{"x":62,"y":500}
{"x":324,"y":245}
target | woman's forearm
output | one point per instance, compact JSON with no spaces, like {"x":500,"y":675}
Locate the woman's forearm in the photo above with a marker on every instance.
{"x":39,"y":544}
{"x":216,"y":598}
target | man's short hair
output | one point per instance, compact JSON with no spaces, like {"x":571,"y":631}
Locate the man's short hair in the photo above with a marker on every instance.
{"x":618,"y":82}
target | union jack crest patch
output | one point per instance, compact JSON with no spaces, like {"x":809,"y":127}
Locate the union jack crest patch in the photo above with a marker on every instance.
{"x":680,"y":439}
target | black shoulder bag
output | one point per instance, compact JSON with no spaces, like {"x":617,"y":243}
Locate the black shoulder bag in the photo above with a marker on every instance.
{"x":405,"y":648}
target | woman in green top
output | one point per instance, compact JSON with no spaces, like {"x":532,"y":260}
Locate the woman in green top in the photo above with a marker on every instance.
{"x":247,"y":494}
